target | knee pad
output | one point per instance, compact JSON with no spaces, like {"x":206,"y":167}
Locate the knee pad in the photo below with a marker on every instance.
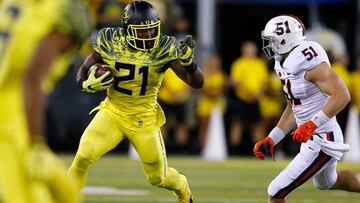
{"x":86,"y":151}
{"x":155,"y":179}
{"x":81,"y":162}
{"x":273,"y":189}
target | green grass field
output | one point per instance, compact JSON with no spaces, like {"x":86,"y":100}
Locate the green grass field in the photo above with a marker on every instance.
{"x":115,"y":178}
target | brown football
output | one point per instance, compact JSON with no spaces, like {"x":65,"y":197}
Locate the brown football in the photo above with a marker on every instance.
{"x":101,"y":69}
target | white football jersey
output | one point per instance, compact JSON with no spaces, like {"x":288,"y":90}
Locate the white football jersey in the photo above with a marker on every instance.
{"x":306,"y":97}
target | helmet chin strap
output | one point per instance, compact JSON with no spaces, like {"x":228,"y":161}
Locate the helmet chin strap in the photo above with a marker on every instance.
{"x":278,"y":57}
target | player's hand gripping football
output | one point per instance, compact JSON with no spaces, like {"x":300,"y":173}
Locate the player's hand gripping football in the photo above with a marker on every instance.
{"x":93,"y":83}
{"x":304,"y":131}
{"x":264,"y":146}
{"x":185,"y":50}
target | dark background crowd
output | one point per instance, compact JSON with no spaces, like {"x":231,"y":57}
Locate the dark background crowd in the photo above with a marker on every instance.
{"x":239,"y":81}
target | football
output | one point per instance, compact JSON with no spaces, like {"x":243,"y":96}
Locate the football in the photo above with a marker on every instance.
{"x":101,"y":69}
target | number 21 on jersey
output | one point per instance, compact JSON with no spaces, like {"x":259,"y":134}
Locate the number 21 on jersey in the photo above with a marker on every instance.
{"x":131,"y":68}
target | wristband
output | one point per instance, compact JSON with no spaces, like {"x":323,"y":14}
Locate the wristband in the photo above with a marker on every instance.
{"x":320,"y":119}
{"x":276,"y":135}
{"x":192,"y":68}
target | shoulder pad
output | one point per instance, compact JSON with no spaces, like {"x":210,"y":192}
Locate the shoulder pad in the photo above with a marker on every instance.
{"x":166,"y":48}
{"x":306,"y":56}
{"x":104,"y":43}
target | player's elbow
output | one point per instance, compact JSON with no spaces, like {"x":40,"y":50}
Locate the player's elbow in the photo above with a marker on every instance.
{"x":197,"y":83}
{"x":347,"y":97}
{"x":344,"y":95}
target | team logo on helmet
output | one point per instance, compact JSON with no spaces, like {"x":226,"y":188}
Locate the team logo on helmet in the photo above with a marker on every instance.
{"x":125,"y":16}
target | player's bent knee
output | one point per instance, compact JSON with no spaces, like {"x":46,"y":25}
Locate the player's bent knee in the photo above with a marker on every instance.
{"x":155,"y":180}
{"x":86,"y":151}
{"x":324,"y":183}
{"x":273,"y":189}
{"x":320,"y":187}
{"x":323,"y":186}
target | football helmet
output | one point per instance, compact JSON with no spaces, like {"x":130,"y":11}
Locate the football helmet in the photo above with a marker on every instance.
{"x":281,"y":34}
{"x":141,"y":25}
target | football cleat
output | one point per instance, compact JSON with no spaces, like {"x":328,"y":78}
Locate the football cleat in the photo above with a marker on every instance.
{"x":185,"y":195}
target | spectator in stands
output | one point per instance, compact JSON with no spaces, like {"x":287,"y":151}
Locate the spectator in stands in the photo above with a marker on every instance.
{"x":249,"y":75}
{"x":211,"y":95}
{"x":271,"y":105}
{"x":108,"y":13}
{"x":355,"y":86}
{"x":339,"y":66}
{"x":169,"y":12}
{"x":173,"y":95}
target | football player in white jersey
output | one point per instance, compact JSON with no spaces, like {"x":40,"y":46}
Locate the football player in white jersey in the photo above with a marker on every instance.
{"x":315,"y":94}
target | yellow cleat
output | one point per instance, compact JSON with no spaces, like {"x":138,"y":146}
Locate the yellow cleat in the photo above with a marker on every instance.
{"x":184,"y":195}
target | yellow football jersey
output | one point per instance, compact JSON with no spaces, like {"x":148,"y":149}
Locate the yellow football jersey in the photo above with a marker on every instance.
{"x":355,"y":87}
{"x":271,"y":105}
{"x":138,"y":76}
{"x":23,"y":24}
{"x":343,"y":72}
{"x":251,"y":73}
{"x":213,"y":82}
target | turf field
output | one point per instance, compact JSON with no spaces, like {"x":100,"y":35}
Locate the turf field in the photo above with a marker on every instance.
{"x":115,"y":178}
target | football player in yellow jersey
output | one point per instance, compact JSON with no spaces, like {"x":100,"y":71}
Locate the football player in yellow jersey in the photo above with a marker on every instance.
{"x":138,"y":56}
{"x":33,"y":38}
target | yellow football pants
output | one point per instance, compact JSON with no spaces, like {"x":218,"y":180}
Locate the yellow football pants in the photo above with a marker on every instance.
{"x":16,"y":183}
{"x":12,"y":174}
{"x":105,"y":132}
{"x":13,"y":147}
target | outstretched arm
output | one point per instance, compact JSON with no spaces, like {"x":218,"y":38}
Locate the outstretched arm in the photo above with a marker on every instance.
{"x":184,"y":67}
{"x":192,"y":75}
{"x":47,"y":52}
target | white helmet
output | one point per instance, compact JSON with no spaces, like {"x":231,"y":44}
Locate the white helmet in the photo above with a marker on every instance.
{"x":281,"y":34}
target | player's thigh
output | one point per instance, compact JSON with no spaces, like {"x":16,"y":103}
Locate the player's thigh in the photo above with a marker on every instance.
{"x":304,"y":166}
{"x":149,"y":146}
{"x":102,"y":135}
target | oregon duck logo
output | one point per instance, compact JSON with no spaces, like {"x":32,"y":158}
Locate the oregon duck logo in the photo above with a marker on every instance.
{"x":125,"y":16}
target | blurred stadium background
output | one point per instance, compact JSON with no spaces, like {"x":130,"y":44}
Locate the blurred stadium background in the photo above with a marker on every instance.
{"x":227,"y":31}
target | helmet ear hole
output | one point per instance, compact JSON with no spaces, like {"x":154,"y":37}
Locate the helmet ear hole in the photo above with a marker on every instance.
{"x":283,"y":42}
